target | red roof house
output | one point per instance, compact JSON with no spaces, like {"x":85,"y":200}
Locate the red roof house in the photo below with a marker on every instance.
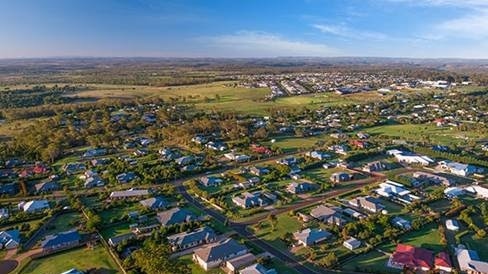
{"x":412,"y":257}
{"x":443,"y":262}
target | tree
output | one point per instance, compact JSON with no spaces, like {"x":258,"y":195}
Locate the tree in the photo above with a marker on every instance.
{"x":154,"y":258}
{"x":273,"y":221}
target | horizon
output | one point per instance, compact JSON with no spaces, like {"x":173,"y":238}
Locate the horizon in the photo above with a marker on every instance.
{"x":432,"y":29}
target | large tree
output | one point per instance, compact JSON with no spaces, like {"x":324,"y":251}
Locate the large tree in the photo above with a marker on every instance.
{"x":154,"y":258}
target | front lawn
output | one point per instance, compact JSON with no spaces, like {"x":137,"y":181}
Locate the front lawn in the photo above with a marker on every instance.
{"x":285,"y":224}
{"x":82,"y":259}
{"x":373,"y":262}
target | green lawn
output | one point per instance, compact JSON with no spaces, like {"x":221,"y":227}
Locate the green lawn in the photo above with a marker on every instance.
{"x":321,"y":175}
{"x":427,"y":237}
{"x":117,"y":212}
{"x":391,"y":207}
{"x":292,"y":144}
{"x":285,"y":224}
{"x":81,"y":259}
{"x":414,"y":132}
{"x":374,"y":262}
{"x":115,"y":230}
{"x":64,"y":222}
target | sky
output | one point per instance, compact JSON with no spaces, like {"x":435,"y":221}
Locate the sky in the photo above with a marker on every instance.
{"x":244,"y":28}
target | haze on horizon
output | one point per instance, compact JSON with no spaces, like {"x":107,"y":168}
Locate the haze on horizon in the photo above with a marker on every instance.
{"x":253,"y":28}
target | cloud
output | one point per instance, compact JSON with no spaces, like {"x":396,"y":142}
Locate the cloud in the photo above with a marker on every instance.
{"x":472,"y":4}
{"x":346,"y":32}
{"x":263,"y":44}
{"x":473,"y":25}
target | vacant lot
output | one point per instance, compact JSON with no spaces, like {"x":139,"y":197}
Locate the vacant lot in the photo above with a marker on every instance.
{"x":82,"y":259}
{"x":438,"y":135}
{"x":285,"y":224}
{"x":374,"y":262}
{"x":427,"y":237}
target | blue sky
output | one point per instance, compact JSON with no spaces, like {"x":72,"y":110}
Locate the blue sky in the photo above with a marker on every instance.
{"x":244,"y":28}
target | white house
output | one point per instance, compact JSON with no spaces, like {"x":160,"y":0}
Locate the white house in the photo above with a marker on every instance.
{"x":452,"y":225}
{"x":479,"y":191}
{"x":409,"y":157}
{"x":352,"y":243}
{"x":33,"y":206}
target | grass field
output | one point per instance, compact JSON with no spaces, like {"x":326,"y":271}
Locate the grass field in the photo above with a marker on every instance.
{"x":292,"y":144}
{"x":64,"y":222}
{"x":427,"y":237}
{"x":438,"y":135}
{"x":81,"y":259}
{"x":286,"y":224}
{"x":373,"y":261}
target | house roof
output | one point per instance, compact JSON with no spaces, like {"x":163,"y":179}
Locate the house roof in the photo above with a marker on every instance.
{"x":257,"y":269}
{"x":322,"y":211}
{"x":204,"y":233}
{"x":412,"y":256}
{"x":219,"y":250}
{"x":129,"y":193}
{"x":120,"y":238}
{"x":8,"y":235}
{"x":310,"y":236}
{"x":175,"y":216}
{"x":442,"y":259}
{"x":60,"y":238}
{"x":154,"y":202}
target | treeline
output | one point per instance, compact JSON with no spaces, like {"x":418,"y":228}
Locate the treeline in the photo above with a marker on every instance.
{"x":38,"y":95}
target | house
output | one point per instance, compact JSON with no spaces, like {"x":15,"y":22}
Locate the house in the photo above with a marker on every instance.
{"x":154,"y":203}
{"x":33,"y":206}
{"x":46,"y":186}
{"x":375,"y":166}
{"x":169,"y":153}
{"x":329,"y":165}
{"x":217,"y":253}
{"x":360,"y":144}
{"x":258,"y":171}
{"x":327,"y":215}
{"x":73,"y":271}
{"x":199,"y":139}
{"x":319,"y":155}
{"x":234,"y":264}
{"x":409,"y":157}
{"x":338,"y":177}
{"x":458,"y":168}
{"x":9,"y":239}
{"x":185,"y":160}
{"x":470,"y":262}
{"x":401,"y":223}
{"x":61,"y":240}
{"x":395,"y":191}
{"x":210,"y":181}
{"x":369,"y":203}
{"x":239,"y":158}
{"x":257,"y":269}
{"x":126,"y":177}
{"x":452,"y":224}
{"x":73,"y":168}
{"x":217,"y":146}
{"x":9,"y":188}
{"x":130,"y":193}
{"x":442,"y":262}
{"x":186,"y":240}
{"x":352,"y":243}
{"x":94,"y":152}
{"x":453,"y":192}
{"x":311,"y":236}
{"x":116,"y":240}
{"x":479,"y":191}
{"x":175,"y":216}
{"x":92,"y":179}
{"x":300,"y":187}
{"x":425,"y":177}
{"x":100,"y":162}
{"x":4,"y":214}
{"x":288,"y":161}
{"x":248,"y":200}
{"x":412,"y":257}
